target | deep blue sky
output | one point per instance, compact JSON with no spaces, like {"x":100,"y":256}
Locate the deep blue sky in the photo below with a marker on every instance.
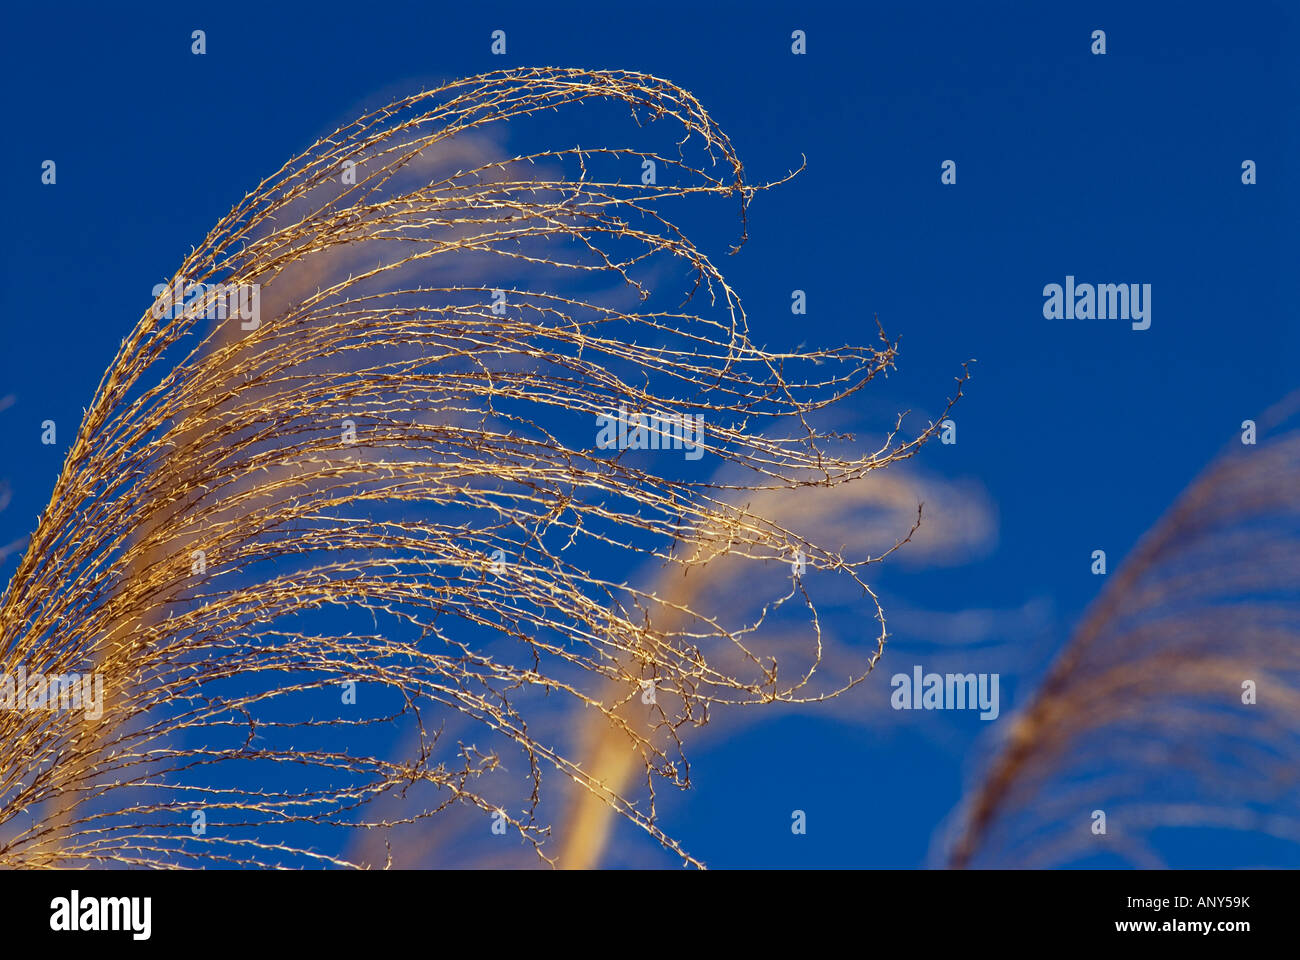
{"x":1117,"y":168}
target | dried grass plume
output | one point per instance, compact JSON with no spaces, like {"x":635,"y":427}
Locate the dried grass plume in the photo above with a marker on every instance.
{"x":390,"y":480}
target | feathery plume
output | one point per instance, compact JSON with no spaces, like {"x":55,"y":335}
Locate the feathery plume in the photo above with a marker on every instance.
{"x":352,"y":445}
{"x":1175,"y":704}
